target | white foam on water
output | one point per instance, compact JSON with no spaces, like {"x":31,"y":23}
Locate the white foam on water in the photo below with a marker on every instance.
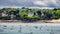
{"x":49,"y":24}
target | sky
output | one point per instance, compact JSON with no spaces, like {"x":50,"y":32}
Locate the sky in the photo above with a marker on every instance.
{"x":30,"y":3}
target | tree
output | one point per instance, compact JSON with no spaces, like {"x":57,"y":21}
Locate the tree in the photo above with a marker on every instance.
{"x":55,"y":9}
{"x":48,"y":13}
{"x":57,"y":14}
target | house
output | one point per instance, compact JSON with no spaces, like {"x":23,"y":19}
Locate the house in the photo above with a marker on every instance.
{"x":31,"y":14}
{"x":4,"y":13}
{"x":14,"y":14}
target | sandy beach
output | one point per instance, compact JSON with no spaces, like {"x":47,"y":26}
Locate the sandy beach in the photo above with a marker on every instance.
{"x":40,"y":21}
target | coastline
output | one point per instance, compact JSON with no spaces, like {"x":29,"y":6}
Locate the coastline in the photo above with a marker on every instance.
{"x":39,"y":21}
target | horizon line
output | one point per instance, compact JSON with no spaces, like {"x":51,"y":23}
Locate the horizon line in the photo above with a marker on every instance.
{"x":28,"y":7}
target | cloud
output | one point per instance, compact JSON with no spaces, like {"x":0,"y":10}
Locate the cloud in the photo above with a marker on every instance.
{"x":40,"y":3}
{"x":47,"y":3}
{"x":16,"y":3}
{"x":30,"y":3}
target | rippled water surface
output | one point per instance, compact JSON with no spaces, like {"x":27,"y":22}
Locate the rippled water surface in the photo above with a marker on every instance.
{"x":29,"y":29}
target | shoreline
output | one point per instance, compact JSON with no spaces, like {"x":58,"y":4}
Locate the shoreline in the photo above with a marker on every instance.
{"x":39,"y":21}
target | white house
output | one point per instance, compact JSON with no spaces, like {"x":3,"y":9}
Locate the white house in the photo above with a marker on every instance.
{"x":4,"y":13}
{"x":31,"y":14}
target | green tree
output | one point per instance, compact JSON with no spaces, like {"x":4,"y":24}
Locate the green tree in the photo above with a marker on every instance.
{"x":57,"y":14}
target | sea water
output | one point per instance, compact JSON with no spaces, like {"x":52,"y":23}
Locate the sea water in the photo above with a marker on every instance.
{"x":29,"y":29}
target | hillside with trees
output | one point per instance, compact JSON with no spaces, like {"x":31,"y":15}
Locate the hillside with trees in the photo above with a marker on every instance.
{"x":27,"y":14}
